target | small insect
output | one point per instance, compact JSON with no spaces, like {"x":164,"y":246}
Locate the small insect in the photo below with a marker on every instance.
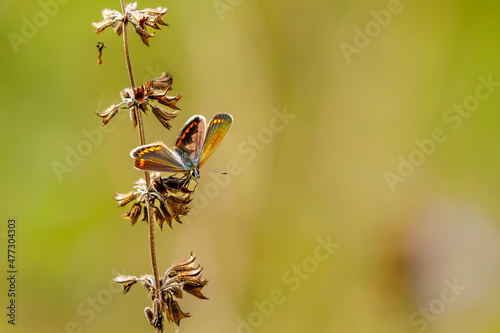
{"x":100,"y":46}
{"x":194,"y":145}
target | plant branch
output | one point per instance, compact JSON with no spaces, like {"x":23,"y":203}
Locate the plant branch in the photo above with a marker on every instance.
{"x":140,"y":126}
{"x":125,"y":45}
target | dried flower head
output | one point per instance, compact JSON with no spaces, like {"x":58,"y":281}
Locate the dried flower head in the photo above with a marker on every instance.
{"x":180,"y":277}
{"x":169,"y":197}
{"x":140,"y":19}
{"x":140,"y":99}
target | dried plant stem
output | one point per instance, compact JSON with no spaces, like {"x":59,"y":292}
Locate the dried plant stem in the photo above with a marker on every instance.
{"x":127,"y":53}
{"x":140,"y":126}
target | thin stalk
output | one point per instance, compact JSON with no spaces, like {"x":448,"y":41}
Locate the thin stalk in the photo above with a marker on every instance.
{"x":140,"y":126}
{"x":125,"y":45}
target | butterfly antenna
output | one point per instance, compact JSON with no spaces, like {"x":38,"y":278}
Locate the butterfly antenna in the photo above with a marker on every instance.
{"x":219,"y":172}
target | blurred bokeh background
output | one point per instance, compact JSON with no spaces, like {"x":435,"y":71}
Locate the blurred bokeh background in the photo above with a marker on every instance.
{"x":365,"y":157}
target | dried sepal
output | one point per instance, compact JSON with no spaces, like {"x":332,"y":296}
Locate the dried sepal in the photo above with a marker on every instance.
{"x":187,"y":272}
{"x":112,"y":18}
{"x":168,"y":101}
{"x":179,"y":206}
{"x":124,"y":199}
{"x":108,"y":114}
{"x":134,"y":213}
{"x":145,"y":215}
{"x":174,"y":312}
{"x":154,"y":17}
{"x":181,"y":277}
{"x":169,"y":198}
{"x":161,"y":85}
{"x":141,"y":98}
{"x":126,"y":282}
{"x":157,"y":89}
{"x":143,"y":33}
{"x":185,"y":265}
{"x":139,"y":94}
{"x":176,"y":291}
{"x":149,"y":314}
{"x":149,"y":283}
{"x":163,"y":115}
{"x":140,"y":19}
{"x":133,"y":116}
{"x":158,"y":216}
{"x":194,"y":288}
{"x":167,"y":214}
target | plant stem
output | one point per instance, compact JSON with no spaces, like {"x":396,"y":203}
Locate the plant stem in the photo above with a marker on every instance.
{"x":140,"y":126}
{"x":127,"y":53}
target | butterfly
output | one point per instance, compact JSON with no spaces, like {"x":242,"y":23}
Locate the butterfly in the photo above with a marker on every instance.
{"x":194,"y":145}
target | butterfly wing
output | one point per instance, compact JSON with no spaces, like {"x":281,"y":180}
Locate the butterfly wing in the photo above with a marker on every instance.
{"x":219,"y":125}
{"x":157,"y":157}
{"x":191,"y":137}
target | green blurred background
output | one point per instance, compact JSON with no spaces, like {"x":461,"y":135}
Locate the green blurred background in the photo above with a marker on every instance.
{"x":319,"y":177}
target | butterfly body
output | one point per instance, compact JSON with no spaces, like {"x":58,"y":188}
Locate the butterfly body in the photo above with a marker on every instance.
{"x":194,"y":145}
{"x":188,"y":163}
